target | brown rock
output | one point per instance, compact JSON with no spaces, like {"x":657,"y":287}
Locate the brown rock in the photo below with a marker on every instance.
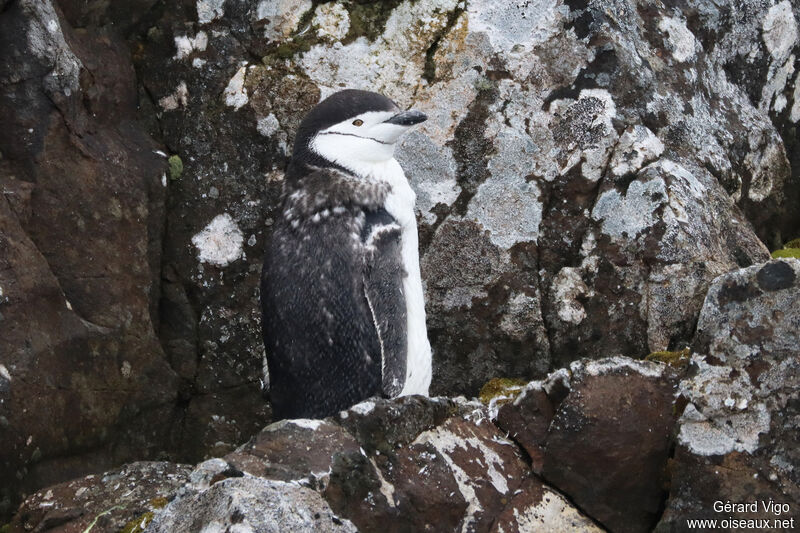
{"x":527,"y":421}
{"x":537,"y":507}
{"x":293,"y":449}
{"x":610,"y":439}
{"x":81,"y":216}
{"x":109,"y":501}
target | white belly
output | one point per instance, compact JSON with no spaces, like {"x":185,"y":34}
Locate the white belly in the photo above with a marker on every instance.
{"x":400,"y":204}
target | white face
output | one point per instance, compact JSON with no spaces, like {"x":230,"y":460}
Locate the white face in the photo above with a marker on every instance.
{"x":364,"y":139}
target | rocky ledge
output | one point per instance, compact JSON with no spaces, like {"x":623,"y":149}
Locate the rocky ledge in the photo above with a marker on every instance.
{"x":613,"y":444}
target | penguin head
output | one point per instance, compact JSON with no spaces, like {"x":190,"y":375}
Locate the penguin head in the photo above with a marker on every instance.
{"x":353,"y":128}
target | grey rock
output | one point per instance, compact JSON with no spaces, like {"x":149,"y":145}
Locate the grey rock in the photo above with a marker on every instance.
{"x":741,"y":396}
{"x":249,"y":504}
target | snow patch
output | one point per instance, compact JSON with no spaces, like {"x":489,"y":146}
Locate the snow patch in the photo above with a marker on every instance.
{"x":610,"y":365}
{"x":4,"y":373}
{"x":220,"y":242}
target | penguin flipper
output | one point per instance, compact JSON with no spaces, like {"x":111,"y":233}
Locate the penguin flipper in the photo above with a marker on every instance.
{"x":383,"y":290}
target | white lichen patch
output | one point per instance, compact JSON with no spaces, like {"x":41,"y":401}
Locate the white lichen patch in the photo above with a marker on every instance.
{"x":568,"y":285}
{"x":280,"y":17}
{"x":431,"y":171}
{"x":507,"y":204}
{"x":306,"y":423}
{"x":331,"y":20}
{"x":220,"y":242}
{"x":392,"y":65}
{"x":794,"y":114}
{"x":270,"y":127}
{"x":186,"y":45}
{"x":617,"y":364}
{"x":636,"y":147}
{"x":683,"y":176}
{"x":236,"y":93}
{"x":386,"y":488}
{"x":722,"y":415}
{"x":126,"y":369}
{"x":780,"y":30}
{"x":681,"y":40}
{"x":208,"y":10}
{"x":765,"y":165}
{"x":179,"y":98}
{"x":515,"y":28}
{"x":553,"y":513}
{"x":629,"y":215}
{"x":45,"y":40}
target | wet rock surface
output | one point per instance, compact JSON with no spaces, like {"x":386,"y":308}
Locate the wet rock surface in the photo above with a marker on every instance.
{"x":587,"y":171}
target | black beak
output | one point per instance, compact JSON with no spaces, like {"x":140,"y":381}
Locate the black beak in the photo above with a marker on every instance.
{"x":407,"y":118}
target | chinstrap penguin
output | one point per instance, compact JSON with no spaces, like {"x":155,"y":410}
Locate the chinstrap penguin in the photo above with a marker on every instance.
{"x":341,"y":292}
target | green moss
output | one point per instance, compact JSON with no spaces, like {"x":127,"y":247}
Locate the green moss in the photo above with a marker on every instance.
{"x":507,"y":388}
{"x":5,"y":528}
{"x":300,"y":41}
{"x":786,"y":252}
{"x":793,"y":244}
{"x":135,"y":525}
{"x":159,"y":503}
{"x":368,"y":18}
{"x":677,"y":359}
{"x":175,"y":167}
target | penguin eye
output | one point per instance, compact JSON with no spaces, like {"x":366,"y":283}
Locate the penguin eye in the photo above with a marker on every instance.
{"x":358,"y":122}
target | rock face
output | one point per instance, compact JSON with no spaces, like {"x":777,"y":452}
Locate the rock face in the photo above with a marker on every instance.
{"x":602,"y":433}
{"x":81,"y":217}
{"x":738,"y":435}
{"x":588,"y":169}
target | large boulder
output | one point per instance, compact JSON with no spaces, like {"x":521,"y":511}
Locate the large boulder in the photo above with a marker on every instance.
{"x":739,"y":438}
{"x":601,"y":432}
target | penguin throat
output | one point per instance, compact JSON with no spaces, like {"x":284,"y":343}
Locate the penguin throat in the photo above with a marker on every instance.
{"x":366,"y":158}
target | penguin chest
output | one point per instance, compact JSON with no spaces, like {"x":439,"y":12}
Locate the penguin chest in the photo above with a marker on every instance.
{"x":400,"y":204}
